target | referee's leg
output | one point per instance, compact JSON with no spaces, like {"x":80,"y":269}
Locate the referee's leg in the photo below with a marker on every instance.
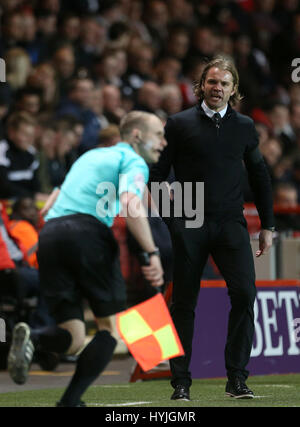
{"x":233,"y":255}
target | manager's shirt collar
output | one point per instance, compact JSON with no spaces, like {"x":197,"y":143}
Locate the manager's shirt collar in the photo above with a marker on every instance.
{"x":210,"y":112}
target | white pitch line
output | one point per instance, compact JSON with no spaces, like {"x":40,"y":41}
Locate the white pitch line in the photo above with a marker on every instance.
{"x":121,"y":404}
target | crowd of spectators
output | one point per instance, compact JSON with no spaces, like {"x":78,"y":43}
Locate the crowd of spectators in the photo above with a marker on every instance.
{"x":74,"y":68}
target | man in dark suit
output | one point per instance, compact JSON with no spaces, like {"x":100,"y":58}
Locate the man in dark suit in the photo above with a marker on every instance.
{"x":211,"y":143}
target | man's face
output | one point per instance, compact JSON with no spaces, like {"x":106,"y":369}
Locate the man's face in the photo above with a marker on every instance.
{"x":83,"y":93}
{"x":23,"y":136}
{"x":217,"y":88}
{"x":153,"y":141}
{"x":28,"y":211}
{"x":286,"y":198}
{"x":30,"y":103}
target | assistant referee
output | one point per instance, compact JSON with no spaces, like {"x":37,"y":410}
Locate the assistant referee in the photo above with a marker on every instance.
{"x":79,"y":257}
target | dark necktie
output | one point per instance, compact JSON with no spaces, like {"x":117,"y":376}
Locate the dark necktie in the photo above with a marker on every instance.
{"x":216,"y":118}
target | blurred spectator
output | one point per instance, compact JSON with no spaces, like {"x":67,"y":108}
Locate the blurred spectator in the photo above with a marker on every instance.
{"x":156,"y":17}
{"x":58,"y":150}
{"x":149,"y":98}
{"x":43,"y":77}
{"x":18,"y":279}
{"x":254,"y":71}
{"x":11,"y":32}
{"x":29,"y":99}
{"x":112,"y":104}
{"x":263,"y":132}
{"x":23,"y":227}
{"x":68,"y":31}
{"x":119,"y":35}
{"x":18,"y":158}
{"x":91,"y":42}
{"x":294,"y":92}
{"x":111,"y":11}
{"x":181,"y":11}
{"x":107,"y":69}
{"x":18,"y":67}
{"x":272,"y":151}
{"x":109,"y":136}
{"x":178,"y":42}
{"x":78,"y":103}
{"x":46,"y":25}
{"x":171,"y":99}
{"x":295,"y":174}
{"x":64,"y":64}
{"x":205,"y":42}
{"x":226,"y":46}
{"x":285,"y":196}
{"x":295,"y":118}
{"x":264,"y":24}
{"x":138,"y":26}
{"x":280,"y":118}
{"x":34,"y":45}
{"x":192,"y":73}
{"x":140,"y":68}
{"x":97,"y":107}
{"x":5,"y":103}
{"x":167,"y":71}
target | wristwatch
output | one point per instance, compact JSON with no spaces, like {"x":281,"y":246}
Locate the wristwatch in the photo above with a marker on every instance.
{"x":269,"y":228}
{"x":144,"y":257}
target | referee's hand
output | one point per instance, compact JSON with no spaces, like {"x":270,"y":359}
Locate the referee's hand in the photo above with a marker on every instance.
{"x":265,"y":242}
{"x":154,"y":272}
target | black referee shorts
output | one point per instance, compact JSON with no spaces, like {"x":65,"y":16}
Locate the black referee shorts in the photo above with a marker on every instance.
{"x":78,"y":259}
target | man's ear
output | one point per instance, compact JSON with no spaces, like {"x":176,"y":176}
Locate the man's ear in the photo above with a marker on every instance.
{"x":233,"y":90}
{"x":137,"y":135}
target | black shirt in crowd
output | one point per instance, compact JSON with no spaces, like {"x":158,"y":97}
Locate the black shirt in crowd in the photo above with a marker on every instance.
{"x":18,"y":171}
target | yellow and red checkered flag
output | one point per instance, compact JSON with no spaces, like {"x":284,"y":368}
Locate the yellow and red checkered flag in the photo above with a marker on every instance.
{"x":149,"y":332}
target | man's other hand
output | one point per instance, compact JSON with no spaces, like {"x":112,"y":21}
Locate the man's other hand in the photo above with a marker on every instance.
{"x":265,"y":242}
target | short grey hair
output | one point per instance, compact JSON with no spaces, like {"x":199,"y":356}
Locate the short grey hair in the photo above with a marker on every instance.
{"x":134,"y":120}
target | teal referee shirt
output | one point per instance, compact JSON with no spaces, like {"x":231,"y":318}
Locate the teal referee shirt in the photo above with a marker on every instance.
{"x":96,"y":181}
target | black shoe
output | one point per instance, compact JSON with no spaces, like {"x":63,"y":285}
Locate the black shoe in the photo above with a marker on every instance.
{"x":48,"y":361}
{"x":181,"y":392}
{"x":238,"y":389}
{"x":81,"y":404}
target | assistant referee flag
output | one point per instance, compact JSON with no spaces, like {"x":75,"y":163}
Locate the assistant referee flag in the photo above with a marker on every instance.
{"x":149,"y":332}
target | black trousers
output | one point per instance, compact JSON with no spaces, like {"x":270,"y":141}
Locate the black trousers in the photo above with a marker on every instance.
{"x":226,"y":238}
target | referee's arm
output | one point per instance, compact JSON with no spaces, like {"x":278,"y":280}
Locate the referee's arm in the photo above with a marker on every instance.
{"x":137,"y":223}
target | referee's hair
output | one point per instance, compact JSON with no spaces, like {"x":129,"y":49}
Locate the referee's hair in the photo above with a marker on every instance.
{"x":134,"y":120}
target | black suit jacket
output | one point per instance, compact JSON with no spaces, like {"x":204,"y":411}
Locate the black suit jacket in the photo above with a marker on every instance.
{"x":201,"y":152}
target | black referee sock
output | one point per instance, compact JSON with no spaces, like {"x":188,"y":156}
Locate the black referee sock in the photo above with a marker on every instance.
{"x":91,"y":362}
{"x":52,"y":339}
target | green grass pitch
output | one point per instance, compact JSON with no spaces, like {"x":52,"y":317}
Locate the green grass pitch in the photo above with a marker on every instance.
{"x":270,"y":391}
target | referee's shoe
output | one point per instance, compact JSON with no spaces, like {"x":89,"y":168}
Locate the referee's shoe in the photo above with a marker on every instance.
{"x":237,"y":388}
{"x":20,"y":354}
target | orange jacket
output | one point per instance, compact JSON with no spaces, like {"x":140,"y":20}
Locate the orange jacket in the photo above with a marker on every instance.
{"x":27,"y":235}
{"x":5,"y":259}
